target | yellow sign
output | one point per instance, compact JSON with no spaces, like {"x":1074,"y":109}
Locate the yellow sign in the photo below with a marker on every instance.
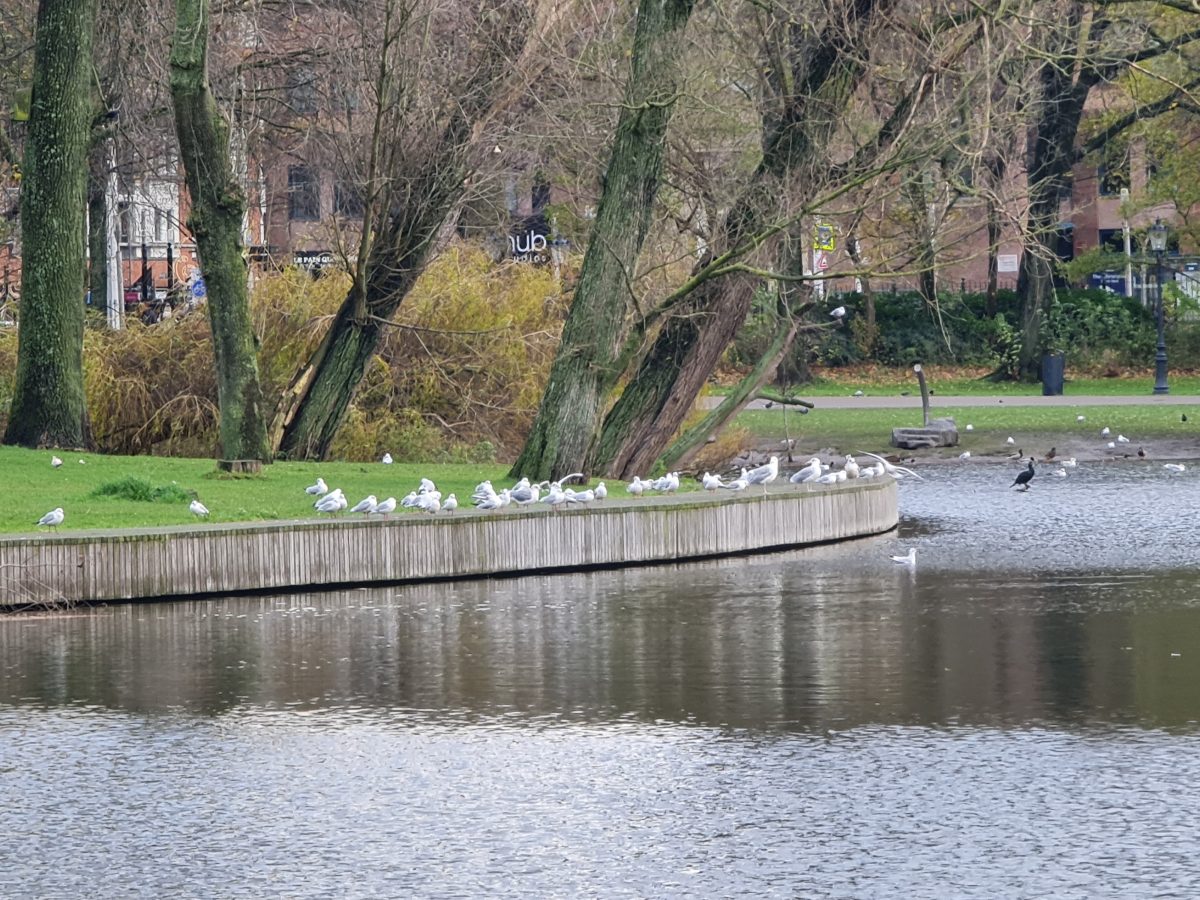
{"x":824,"y":237}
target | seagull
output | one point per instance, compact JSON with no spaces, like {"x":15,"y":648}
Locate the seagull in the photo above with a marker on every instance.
{"x":524,"y":493}
{"x":366,"y":505}
{"x":809,"y":473}
{"x":1121,"y":439}
{"x":410,"y":499}
{"x":1111,"y":445}
{"x":198,"y":509}
{"x":891,"y":469}
{"x":764,"y":474}
{"x":859,"y":393}
{"x":970,"y":427}
{"x":1174,"y":467}
{"x":451,"y":504}
{"x":711,"y":482}
{"x":55,"y":461}
{"x":1010,"y":440}
{"x":1081,"y":418}
{"x":1023,"y":478}
{"x":387,"y":459}
{"x":852,"y":468}
{"x":738,"y":484}
{"x":838,"y":313}
{"x":636,"y":487}
{"x":966,"y":454}
{"x":1069,"y":462}
{"x":908,"y":559}
{"x":54,"y":518}
{"x":334,"y":502}
{"x":385,"y":507}
{"x":1060,"y":473}
{"x":1104,"y":432}
{"x":601,"y":491}
{"x":319,"y":488}
{"x":427,"y":487}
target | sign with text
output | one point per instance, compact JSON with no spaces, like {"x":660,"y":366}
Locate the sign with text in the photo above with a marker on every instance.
{"x":824,"y":237}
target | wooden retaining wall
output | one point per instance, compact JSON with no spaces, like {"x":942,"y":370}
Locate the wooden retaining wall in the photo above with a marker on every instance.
{"x":229,"y":558}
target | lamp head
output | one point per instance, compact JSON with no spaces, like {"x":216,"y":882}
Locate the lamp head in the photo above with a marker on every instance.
{"x":1158,"y":236}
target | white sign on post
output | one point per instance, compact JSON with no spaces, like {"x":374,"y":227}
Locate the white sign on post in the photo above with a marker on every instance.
{"x":1007,"y":262}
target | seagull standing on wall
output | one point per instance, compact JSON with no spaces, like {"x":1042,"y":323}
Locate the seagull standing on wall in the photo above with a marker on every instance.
{"x":809,"y":473}
{"x":53,"y":519}
{"x":765,"y":474}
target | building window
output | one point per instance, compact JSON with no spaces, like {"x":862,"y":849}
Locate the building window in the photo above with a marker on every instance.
{"x":304,"y":195}
{"x":302,"y":91}
{"x":347,"y":200}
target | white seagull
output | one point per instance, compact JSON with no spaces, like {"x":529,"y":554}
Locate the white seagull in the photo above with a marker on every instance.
{"x":1070,"y":462}
{"x":1104,"y":432}
{"x":54,"y":518}
{"x":366,"y":505}
{"x":809,"y":473}
{"x":319,"y":488}
{"x":1010,"y":440}
{"x":385,"y":507}
{"x":764,"y":474}
{"x":1121,"y":439}
{"x":851,"y":467}
{"x":387,"y":459}
{"x":966,"y":454}
{"x":451,"y":504}
{"x":55,"y":461}
{"x":838,"y":313}
{"x":1111,"y":445}
{"x":198,"y":509}
{"x":637,"y":486}
{"x":711,"y":482}
{"x":1081,"y":418}
{"x":970,"y":427}
{"x":601,"y":491}
{"x":892,"y":469}
{"x":1174,"y":467}
{"x":909,"y":559}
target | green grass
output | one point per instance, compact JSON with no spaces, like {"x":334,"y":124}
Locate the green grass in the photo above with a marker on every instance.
{"x":36,"y":487}
{"x":870,"y":429}
{"x":892,"y":382}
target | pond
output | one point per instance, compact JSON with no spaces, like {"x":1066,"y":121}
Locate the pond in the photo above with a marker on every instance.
{"x":1016,"y":716}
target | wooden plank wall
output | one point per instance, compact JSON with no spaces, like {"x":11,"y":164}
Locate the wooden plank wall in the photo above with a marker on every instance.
{"x":213,"y":559}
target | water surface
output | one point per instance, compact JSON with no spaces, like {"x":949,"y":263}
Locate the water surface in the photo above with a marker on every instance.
{"x":1016,"y":717}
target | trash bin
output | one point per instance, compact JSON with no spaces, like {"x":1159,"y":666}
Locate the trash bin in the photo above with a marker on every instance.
{"x":1053,"y":370}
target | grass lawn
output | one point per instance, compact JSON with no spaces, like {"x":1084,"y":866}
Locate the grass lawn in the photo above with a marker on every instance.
{"x":36,"y":488}
{"x":951,"y":382}
{"x":870,"y":429}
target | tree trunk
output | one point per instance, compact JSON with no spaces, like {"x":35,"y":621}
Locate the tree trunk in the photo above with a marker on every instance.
{"x":97,"y":220}
{"x":587,"y":364}
{"x":682,"y":450}
{"x":215,"y":221}
{"x":826,"y":67}
{"x":48,"y":407}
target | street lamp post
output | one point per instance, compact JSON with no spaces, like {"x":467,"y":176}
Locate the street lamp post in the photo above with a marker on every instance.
{"x":1158,"y":244}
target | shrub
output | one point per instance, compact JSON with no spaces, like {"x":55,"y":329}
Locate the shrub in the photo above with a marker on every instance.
{"x":141,"y":491}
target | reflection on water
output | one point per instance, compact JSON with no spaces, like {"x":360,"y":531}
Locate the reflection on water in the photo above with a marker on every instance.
{"x":820,"y":722}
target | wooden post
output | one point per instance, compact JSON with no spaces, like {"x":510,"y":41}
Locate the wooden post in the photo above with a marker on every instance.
{"x":924,"y":393}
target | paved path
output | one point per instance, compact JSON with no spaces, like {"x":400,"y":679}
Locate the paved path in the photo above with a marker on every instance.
{"x":884,"y":401}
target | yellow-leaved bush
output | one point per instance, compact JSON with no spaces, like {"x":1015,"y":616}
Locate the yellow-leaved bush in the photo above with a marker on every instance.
{"x":458,"y":377}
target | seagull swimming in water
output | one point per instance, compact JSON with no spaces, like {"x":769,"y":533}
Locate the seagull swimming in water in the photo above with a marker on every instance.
{"x":53,"y":519}
{"x":1174,"y":467}
{"x":198,"y":509}
{"x":908,"y":559}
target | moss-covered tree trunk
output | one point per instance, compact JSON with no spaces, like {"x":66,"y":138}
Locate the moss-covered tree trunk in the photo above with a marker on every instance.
{"x":588,"y":362}
{"x":48,"y":406}
{"x":825,"y":67}
{"x":215,"y":221}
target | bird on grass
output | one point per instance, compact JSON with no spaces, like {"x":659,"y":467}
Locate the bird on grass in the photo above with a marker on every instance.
{"x":387,"y":459}
{"x":970,"y":427}
{"x":319,"y":488}
{"x":1183,"y":417}
{"x":198,"y":509}
{"x":1081,"y":418}
{"x":1023,"y":478}
{"x":55,"y":461}
{"x":909,"y":559}
{"x":53,"y":519}
{"x":1105,"y":432}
